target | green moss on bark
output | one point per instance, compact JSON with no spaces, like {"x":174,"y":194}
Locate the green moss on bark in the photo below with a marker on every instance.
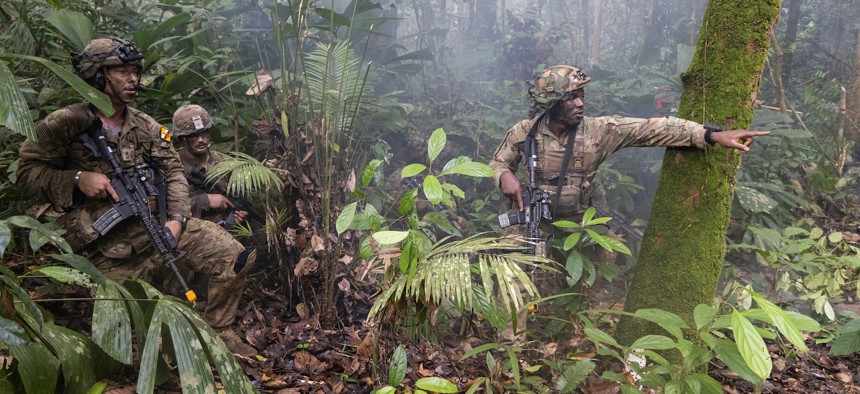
{"x":684,"y":246}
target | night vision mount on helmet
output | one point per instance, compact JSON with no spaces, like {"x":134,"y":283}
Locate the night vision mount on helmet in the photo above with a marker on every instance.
{"x":551,"y":86}
{"x":105,"y":52}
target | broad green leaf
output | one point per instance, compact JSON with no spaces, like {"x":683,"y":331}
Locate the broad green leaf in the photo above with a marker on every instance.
{"x":344,"y":220}
{"x":397,"y":368}
{"x":588,"y":215}
{"x":751,"y":345}
{"x":232,"y":376}
{"x":407,"y":201}
{"x":455,"y":162}
{"x":700,"y":383}
{"x":598,"y":336}
{"x":39,"y":369}
{"x":835,"y":237}
{"x":14,"y":113}
{"x":653,"y":342}
{"x":441,"y":221}
{"x":669,"y":321}
{"x":574,"y":266}
{"x":474,"y":169}
{"x":571,"y":240}
{"x":596,"y":221}
{"x":82,"y":361}
{"x":703,"y":314}
{"x":5,"y":232}
{"x":150,"y":353}
{"x":412,"y":170}
{"x":453,"y":189}
{"x":75,"y":26}
{"x":600,"y":239}
{"x":439,"y":385}
{"x":11,"y":333}
{"x":67,"y":275}
{"x":194,"y":373}
{"x":515,"y":366}
{"x":432,"y":189}
{"x":82,"y":264}
{"x":98,"y":388}
{"x":780,"y":319}
{"x":112,"y":323}
{"x":476,"y":385}
{"x":386,"y":390}
{"x":436,"y":143}
{"x":333,"y":17}
{"x":729,"y":354}
{"x":97,"y":98}
{"x":565,"y":224}
{"x":753,"y":200}
{"x":846,"y":343}
{"x":389,"y":237}
{"x":369,"y":171}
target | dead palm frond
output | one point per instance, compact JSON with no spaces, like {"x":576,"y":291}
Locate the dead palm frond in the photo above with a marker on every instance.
{"x":450,"y":270}
{"x":247,"y":176}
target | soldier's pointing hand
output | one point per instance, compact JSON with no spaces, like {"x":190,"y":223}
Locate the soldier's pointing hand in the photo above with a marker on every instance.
{"x":96,"y":185}
{"x":736,"y":139}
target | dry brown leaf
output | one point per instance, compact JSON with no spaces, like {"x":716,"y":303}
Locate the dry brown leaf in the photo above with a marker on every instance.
{"x":425,"y":373}
{"x":317,"y":243}
{"x":349,"y":186}
{"x":264,"y":81}
{"x":343,"y":285}
{"x":302,"y":311}
{"x":306,"y":362}
{"x":262,"y":127}
{"x":305,"y":266}
{"x":365,"y":348}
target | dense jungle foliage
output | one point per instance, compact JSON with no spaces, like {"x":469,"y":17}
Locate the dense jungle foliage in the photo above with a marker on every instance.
{"x":361,"y":128}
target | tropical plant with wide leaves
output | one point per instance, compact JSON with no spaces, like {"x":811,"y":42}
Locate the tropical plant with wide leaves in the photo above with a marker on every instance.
{"x":125,"y":317}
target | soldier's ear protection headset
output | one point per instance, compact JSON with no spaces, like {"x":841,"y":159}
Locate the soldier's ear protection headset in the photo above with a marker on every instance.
{"x":126,"y":52}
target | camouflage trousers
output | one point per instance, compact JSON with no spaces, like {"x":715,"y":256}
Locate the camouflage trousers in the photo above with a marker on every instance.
{"x":210,"y":250}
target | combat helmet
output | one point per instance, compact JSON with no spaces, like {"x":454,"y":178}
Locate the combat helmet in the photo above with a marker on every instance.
{"x":190,"y":119}
{"x":549,"y":87}
{"x":105,"y":52}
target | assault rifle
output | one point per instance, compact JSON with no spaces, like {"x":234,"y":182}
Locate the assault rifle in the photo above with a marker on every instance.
{"x":619,"y":225}
{"x":133,"y":192}
{"x":535,"y":199}
{"x":198,"y":180}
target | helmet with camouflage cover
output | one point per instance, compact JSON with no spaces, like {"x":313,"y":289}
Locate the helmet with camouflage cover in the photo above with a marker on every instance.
{"x":190,"y":119}
{"x":105,"y":52}
{"x":553,"y":83}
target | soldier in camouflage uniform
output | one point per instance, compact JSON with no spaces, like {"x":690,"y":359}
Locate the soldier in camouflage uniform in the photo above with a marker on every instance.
{"x":558,"y":95}
{"x":191,"y":124}
{"x":57,"y":168}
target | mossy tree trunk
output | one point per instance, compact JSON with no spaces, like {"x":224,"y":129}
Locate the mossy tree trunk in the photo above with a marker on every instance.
{"x":683,"y":250}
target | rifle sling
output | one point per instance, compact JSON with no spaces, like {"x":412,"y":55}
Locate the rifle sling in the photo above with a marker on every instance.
{"x":568,"y":150}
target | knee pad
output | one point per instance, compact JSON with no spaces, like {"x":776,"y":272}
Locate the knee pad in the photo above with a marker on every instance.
{"x":245,"y":261}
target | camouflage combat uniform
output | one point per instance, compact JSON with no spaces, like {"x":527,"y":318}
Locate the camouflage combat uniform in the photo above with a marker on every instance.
{"x":199,"y":197}
{"x":596,"y":139}
{"x":47,"y":172}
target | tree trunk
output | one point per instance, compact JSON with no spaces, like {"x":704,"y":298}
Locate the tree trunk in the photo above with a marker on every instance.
{"x":485,"y":20}
{"x":683,"y":248}
{"x":852,"y":108}
{"x":790,"y":38}
{"x":597,"y":9}
{"x":646,"y":30}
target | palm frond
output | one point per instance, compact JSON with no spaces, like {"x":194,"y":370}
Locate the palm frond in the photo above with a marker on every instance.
{"x":450,"y":271}
{"x":247,"y":175}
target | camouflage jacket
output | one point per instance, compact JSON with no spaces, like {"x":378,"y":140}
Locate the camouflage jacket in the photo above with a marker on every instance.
{"x":48,"y":167}
{"x":198,"y":196}
{"x":596,"y":139}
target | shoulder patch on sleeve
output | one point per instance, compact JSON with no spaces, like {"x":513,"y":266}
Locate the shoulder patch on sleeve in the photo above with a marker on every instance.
{"x":165,"y":134}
